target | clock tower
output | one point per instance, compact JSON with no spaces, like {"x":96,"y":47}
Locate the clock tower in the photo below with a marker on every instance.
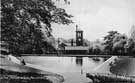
{"x":79,"y":37}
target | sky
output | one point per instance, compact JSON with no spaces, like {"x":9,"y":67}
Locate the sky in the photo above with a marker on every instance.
{"x":96,"y":18}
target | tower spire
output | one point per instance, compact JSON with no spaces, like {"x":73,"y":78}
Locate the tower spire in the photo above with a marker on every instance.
{"x":76,"y":27}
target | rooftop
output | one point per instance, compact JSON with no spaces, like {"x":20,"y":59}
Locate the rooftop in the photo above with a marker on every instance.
{"x":76,"y":47}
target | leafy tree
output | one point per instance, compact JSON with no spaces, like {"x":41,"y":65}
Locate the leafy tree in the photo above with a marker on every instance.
{"x":119,"y":43}
{"x":131,"y":42}
{"x":96,"y":47}
{"x":130,"y":47}
{"x":22,"y":22}
{"x":132,"y":32}
{"x":96,"y":50}
{"x":108,"y":41}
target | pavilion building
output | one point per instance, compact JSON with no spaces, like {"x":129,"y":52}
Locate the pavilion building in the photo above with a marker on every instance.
{"x":77,"y":46}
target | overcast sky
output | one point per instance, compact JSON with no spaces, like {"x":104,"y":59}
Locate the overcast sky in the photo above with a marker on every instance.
{"x":97,"y":17}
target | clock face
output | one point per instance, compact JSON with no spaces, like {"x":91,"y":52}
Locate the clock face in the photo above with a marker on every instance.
{"x":79,"y":39}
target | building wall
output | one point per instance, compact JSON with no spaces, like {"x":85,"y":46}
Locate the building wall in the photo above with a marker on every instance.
{"x":76,"y":52}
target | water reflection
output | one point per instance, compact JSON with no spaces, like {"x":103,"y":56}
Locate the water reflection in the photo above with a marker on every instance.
{"x":79,"y":61}
{"x":96,"y":58}
{"x":72,"y":68}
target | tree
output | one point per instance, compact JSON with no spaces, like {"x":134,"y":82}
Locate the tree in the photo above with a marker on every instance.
{"x":108,"y":41}
{"x":119,"y":43}
{"x":130,"y":46}
{"x":131,"y":42}
{"x":22,"y":21}
{"x":96,"y":50}
{"x":132,"y":32}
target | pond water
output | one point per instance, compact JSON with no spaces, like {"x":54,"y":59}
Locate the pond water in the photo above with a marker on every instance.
{"x":73,"y":69}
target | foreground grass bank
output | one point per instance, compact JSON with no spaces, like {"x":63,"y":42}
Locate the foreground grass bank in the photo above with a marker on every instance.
{"x":23,"y":77}
{"x":108,"y":78}
{"x":11,"y":72}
